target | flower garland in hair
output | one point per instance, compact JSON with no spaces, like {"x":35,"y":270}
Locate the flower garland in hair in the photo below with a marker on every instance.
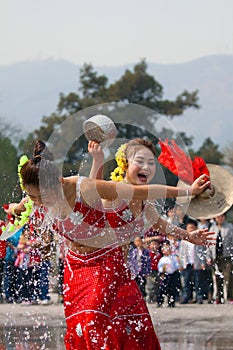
{"x":122,"y":164}
{"x":23,"y":218}
{"x":22,"y":161}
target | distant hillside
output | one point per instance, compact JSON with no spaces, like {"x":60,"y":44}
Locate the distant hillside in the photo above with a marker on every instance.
{"x":30,"y":90}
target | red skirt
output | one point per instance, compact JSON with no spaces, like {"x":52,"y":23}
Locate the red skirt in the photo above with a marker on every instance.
{"x":104,"y":308}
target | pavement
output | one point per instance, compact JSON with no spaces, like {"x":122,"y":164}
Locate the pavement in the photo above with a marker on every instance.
{"x":184,"y":327}
{"x":193,"y":326}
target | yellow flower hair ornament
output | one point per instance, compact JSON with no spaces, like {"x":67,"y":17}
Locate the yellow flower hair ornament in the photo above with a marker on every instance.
{"x":122,"y":164}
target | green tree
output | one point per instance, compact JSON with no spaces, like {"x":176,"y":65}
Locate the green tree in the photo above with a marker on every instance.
{"x":134,"y":87}
{"x":92,"y":84}
{"x":93,"y":88}
{"x":210,"y":152}
{"x":141,"y":88}
{"x":10,"y":191}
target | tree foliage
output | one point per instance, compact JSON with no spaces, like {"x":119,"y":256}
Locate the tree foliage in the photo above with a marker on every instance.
{"x":92,"y":85}
{"x":210,"y":152}
{"x":8,"y":166}
{"x":134,"y":87}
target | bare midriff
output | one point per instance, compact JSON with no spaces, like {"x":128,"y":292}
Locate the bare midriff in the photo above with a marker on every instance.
{"x":80,"y":249}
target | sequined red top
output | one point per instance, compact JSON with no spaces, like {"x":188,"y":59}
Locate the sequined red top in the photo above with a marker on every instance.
{"x":99,"y":226}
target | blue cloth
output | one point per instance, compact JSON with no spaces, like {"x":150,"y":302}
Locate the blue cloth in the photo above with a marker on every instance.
{"x":11,"y":274}
{"x":168,"y":264}
{"x":14,"y":240}
{"x":140,"y":266}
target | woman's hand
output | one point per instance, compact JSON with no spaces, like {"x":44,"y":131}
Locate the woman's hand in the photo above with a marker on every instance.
{"x":95,"y":150}
{"x":200,"y":184}
{"x":15,"y":208}
{"x":9,"y":208}
{"x":201,"y":237}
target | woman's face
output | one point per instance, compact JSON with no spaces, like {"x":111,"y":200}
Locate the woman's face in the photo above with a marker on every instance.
{"x":42,"y":197}
{"x":141,"y":167}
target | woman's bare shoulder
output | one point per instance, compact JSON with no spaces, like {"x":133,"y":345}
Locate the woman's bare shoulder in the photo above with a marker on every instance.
{"x":70,"y":179}
{"x":69,"y":187}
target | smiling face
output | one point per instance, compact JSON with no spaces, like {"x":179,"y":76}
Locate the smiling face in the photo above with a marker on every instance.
{"x":141,"y":166}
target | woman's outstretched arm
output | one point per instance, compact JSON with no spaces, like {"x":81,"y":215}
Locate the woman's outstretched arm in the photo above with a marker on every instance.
{"x":93,"y":189}
{"x":199,"y":237}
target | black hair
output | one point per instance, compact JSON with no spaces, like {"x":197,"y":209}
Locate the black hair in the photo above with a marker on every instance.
{"x":40,"y":169}
{"x":191,"y":221}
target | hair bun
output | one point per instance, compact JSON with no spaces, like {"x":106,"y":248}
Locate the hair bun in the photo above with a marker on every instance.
{"x":41,"y":151}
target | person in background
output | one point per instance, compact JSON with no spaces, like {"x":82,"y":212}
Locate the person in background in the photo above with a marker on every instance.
{"x":139,"y":264}
{"x":171,"y":215}
{"x":193,"y":262}
{"x":208,"y":285}
{"x":175,"y":246}
{"x":167,"y":267}
{"x":153,"y":279}
{"x":11,"y":273}
{"x":176,"y":216}
{"x":221,"y":258}
{"x":60,"y":268}
{"x":27,"y":262}
{"x":2,"y":261}
{"x":180,"y":217}
{"x":199,"y":267}
{"x":186,"y":258}
{"x":153,"y":235}
{"x":44,"y":244}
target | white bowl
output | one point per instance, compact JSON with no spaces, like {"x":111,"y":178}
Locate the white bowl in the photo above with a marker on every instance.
{"x":101,"y":129}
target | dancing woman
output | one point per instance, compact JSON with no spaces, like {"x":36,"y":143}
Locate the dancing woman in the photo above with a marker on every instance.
{"x":103,"y":306}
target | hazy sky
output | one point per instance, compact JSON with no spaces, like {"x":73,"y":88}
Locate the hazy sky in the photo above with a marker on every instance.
{"x":106,"y":32}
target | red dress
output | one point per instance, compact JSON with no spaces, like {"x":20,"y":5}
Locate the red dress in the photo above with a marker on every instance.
{"x":104,"y":308}
{"x":2,"y":243}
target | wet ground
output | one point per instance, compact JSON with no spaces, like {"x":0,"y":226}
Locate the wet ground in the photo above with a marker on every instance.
{"x":186,"y":327}
{"x":194,"y":327}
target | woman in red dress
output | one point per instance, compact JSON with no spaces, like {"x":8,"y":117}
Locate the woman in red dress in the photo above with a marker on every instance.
{"x":103,"y":306}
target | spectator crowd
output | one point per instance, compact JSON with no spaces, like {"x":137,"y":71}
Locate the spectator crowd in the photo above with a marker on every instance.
{"x":166,"y":270}
{"x":179,"y":271}
{"x":28,"y":261}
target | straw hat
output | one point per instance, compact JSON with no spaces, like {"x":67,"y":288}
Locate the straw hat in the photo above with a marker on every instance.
{"x":212,"y":202}
{"x":101,"y":129}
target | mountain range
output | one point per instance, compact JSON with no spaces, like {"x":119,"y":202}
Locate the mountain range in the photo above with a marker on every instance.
{"x":29,"y":90}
